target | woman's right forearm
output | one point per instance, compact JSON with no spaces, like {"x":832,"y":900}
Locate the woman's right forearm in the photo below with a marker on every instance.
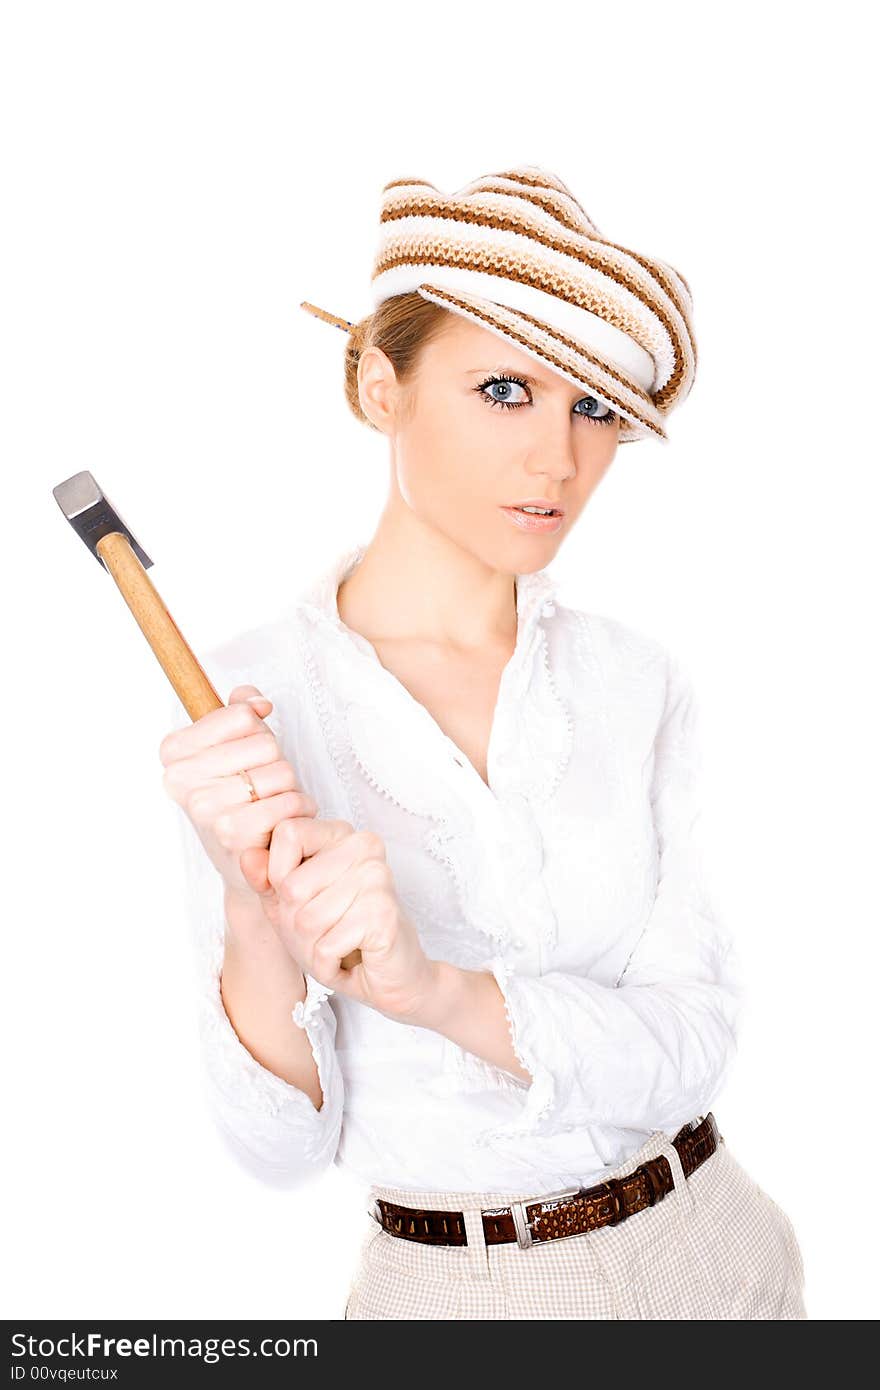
{"x":260,"y":984}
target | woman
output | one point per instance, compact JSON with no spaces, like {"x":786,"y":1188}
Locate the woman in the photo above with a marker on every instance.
{"x":456,"y":843}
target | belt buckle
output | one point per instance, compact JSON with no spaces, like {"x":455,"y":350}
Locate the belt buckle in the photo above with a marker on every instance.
{"x":524,"y":1237}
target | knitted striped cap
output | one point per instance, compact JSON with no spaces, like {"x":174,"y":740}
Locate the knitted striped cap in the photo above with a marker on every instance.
{"x":516,"y":253}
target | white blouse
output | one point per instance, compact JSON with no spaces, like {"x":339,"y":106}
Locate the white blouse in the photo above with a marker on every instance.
{"x":575,"y":877}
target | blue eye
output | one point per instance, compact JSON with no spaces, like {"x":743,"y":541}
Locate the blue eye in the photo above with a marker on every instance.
{"x":600,"y":413}
{"x":506,"y":385}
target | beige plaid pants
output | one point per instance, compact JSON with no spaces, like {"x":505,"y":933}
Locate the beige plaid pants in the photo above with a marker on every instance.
{"x":718,"y":1246}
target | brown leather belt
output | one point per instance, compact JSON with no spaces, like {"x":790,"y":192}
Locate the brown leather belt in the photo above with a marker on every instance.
{"x":559,"y":1214}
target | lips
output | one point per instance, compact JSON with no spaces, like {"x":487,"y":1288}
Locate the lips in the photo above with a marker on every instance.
{"x":538,"y":503}
{"x":533,"y":521}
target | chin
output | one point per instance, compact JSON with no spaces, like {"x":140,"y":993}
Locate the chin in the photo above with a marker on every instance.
{"x":532,"y":553}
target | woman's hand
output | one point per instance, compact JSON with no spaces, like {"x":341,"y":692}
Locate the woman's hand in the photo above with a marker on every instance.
{"x":327,"y":888}
{"x":202,"y":764}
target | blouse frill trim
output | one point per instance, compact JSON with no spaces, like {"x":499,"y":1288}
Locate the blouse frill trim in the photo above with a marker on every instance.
{"x":543,"y":724}
{"x":240,"y":1081}
{"x":535,"y":593}
{"x":306,"y":1009}
{"x":538,"y":1097}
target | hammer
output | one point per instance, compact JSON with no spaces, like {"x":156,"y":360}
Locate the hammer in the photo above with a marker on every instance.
{"x":97,"y":522}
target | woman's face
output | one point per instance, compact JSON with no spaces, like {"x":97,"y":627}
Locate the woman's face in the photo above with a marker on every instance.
{"x":465,"y":447}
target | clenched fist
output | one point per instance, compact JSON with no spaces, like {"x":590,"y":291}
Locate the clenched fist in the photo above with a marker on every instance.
{"x":327,"y":888}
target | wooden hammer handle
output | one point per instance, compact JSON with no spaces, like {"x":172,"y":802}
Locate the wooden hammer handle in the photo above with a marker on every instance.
{"x":175,"y":656}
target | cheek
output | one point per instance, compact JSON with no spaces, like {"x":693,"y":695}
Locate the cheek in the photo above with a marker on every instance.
{"x":441,"y":458}
{"x":596,"y":453}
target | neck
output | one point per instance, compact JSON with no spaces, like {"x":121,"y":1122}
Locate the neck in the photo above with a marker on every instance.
{"x":414,"y":583}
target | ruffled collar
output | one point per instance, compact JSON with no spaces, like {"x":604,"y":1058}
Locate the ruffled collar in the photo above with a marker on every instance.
{"x":485,"y":836}
{"x":529,"y":714}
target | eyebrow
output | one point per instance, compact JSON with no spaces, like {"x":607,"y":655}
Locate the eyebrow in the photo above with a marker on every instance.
{"x":505,"y":371}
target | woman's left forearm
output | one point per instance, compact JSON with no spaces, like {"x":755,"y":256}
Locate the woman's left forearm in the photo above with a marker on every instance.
{"x":467,"y":1007}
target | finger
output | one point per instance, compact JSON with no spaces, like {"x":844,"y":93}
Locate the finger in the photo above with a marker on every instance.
{"x":346,"y":935}
{"x":206,"y":801}
{"x":347,"y":904}
{"x":311,"y":920}
{"x":329,"y":863}
{"x":338,"y":920}
{"x":253,"y":696}
{"x":253,"y":863}
{"x":262,"y":868}
{"x":233,"y":721}
{"x":300,"y":839}
{"x":268,"y":778}
{"x":227,"y":759}
{"x":253,"y":823}
{"x":285,"y":851}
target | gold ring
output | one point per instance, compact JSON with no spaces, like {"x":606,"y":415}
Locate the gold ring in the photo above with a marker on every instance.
{"x":254,"y":794}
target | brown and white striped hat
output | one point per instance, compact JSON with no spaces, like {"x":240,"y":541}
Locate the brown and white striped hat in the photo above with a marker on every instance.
{"x":516,"y":253}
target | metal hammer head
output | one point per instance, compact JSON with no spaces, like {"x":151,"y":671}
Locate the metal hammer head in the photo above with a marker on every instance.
{"x":92,"y":514}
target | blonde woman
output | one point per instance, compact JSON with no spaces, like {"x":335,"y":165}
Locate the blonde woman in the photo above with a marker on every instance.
{"x":455,"y":930}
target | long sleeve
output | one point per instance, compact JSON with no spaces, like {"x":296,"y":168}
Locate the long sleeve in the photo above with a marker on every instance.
{"x":270,"y":1127}
{"x":653,"y":1050}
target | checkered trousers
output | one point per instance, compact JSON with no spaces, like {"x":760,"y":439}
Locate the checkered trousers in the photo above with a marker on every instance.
{"x":717,"y":1247}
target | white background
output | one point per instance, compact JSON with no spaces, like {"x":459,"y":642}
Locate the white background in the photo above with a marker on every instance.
{"x":176,"y":179}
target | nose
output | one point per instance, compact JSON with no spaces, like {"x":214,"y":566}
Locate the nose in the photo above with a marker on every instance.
{"x":554,"y":449}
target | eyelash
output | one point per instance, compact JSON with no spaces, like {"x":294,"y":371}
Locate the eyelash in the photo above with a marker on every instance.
{"x":515,"y":405}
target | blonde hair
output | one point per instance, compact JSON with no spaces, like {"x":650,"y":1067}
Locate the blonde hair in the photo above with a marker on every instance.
{"x":401,"y":327}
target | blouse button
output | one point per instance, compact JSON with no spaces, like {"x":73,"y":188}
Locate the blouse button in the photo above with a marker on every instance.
{"x":519,"y":944}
